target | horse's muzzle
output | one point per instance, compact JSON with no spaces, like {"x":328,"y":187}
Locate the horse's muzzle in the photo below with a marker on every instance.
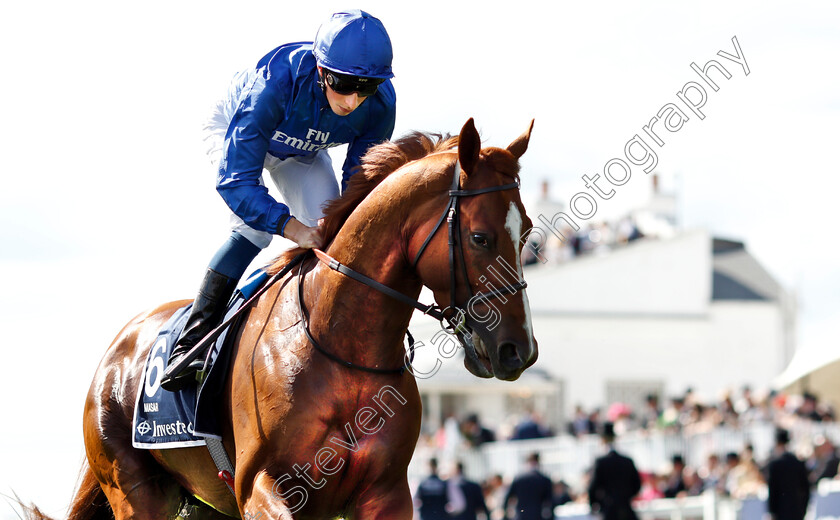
{"x":513,"y":358}
{"x":506,"y":360}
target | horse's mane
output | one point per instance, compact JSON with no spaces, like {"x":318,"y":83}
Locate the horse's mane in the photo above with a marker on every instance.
{"x":379,"y":162}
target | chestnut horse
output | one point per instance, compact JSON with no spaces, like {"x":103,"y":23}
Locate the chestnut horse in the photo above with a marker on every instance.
{"x":321,"y":420}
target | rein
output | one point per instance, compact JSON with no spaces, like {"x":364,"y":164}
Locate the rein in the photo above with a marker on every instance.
{"x":458,"y":321}
{"x":430,"y":310}
{"x":365,"y":280}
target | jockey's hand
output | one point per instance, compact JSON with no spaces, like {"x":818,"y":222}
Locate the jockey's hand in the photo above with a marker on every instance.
{"x":305,"y":236}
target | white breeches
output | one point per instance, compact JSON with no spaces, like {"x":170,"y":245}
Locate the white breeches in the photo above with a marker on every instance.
{"x":305,"y":182}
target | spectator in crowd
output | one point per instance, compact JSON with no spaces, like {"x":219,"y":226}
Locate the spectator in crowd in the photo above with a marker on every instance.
{"x":431,"y":498}
{"x":712,"y":474}
{"x":675,"y":483}
{"x":726,"y":408}
{"x":825,"y":460}
{"x":748,"y":453}
{"x":788,"y":489}
{"x":474,"y":432}
{"x":808,"y":409}
{"x":580,"y":424}
{"x":615,"y":481}
{"x":693,"y":482}
{"x":449,"y":439}
{"x":755,"y":408}
{"x":651,"y":412}
{"x":621,"y":416}
{"x":689,"y":397}
{"x":580,"y":242}
{"x":532,"y":491}
{"x":494,"y":496}
{"x":627,"y":231}
{"x":745,"y":403}
{"x":746,"y":478}
{"x":699,"y":418}
{"x":595,"y":421}
{"x":466,"y":498}
{"x":530,"y":427}
{"x":651,"y":490}
{"x":729,"y":476}
{"x":675,"y":415}
{"x":562,"y":493}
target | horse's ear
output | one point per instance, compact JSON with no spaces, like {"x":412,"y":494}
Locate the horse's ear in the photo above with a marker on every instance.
{"x":518,"y":147}
{"x":469,"y":146}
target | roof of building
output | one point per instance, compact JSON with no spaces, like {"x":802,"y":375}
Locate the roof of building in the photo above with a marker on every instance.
{"x":737,"y":275}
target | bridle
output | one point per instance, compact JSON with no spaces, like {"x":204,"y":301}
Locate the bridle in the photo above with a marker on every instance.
{"x":454,"y":323}
{"x":453,"y":221}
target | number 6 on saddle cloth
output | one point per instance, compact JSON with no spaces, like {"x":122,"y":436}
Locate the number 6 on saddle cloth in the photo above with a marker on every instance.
{"x":164,"y":419}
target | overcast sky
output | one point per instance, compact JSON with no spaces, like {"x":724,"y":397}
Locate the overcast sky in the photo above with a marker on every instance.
{"x":108,"y":207}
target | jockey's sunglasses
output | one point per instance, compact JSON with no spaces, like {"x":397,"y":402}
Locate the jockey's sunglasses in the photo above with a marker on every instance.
{"x":345,"y":84}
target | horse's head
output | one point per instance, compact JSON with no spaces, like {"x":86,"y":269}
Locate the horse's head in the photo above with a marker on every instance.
{"x":482,"y":288}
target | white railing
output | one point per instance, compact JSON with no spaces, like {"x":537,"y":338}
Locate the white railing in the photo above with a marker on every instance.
{"x":709,"y":506}
{"x":824,"y":505}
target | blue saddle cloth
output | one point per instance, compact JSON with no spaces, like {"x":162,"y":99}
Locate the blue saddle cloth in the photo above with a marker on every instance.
{"x":164,"y":419}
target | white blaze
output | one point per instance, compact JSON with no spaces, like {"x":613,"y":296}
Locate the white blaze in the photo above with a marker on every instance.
{"x":513,"y":224}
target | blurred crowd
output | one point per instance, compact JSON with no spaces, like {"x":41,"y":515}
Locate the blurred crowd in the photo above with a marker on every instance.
{"x":687,"y":414}
{"x":590,"y":239}
{"x":684,"y":413}
{"x":738,"y":474}
{"x":564,"y":236}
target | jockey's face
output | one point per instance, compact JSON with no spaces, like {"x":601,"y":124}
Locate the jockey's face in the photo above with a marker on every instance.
{"x":343,"y":104}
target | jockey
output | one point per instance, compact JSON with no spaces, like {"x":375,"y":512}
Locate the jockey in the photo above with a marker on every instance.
{"x":282,"y":116}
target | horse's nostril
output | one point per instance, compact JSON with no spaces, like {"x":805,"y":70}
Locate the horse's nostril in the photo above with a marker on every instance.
{"x":508,"y":356}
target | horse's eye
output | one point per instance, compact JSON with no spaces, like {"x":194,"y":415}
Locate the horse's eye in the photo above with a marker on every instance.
{"x":480,"y":240}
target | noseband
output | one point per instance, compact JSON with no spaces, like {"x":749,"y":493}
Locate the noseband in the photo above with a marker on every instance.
{"x":456,"y":322}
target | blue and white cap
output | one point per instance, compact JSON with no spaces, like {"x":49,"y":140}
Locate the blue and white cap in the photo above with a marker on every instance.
{"x":355,"y":43}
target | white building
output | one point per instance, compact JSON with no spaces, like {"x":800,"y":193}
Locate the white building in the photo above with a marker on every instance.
{"x":660,"y":315}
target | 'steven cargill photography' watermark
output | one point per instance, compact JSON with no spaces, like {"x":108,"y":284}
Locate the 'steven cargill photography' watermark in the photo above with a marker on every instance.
{"x":639,"y":152}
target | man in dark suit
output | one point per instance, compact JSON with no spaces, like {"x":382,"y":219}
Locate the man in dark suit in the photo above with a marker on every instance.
{"x":533,"y":492}
{"x":474,"y":432}
{"x":430,"y":498}
{"x":465,"y":497}
{"x":788,"y":489}
{"x":675,"y":483}
{"x":530,"y":427}
{"x":615,"y":481}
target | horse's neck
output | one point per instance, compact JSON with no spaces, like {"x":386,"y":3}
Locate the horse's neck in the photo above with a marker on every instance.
{"x":360,"y":323}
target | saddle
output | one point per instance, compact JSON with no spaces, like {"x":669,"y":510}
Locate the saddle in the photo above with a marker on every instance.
{"x":186,"y":418}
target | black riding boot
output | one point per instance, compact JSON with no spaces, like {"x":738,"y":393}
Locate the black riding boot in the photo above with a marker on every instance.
{"x":207,"y":312}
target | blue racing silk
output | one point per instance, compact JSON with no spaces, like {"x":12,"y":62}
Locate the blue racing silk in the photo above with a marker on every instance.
{"x":279,"y":109}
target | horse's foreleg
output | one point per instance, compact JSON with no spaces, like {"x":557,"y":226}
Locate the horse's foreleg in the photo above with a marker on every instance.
{"x":386,"y":501}
{"x":267,"y":500}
